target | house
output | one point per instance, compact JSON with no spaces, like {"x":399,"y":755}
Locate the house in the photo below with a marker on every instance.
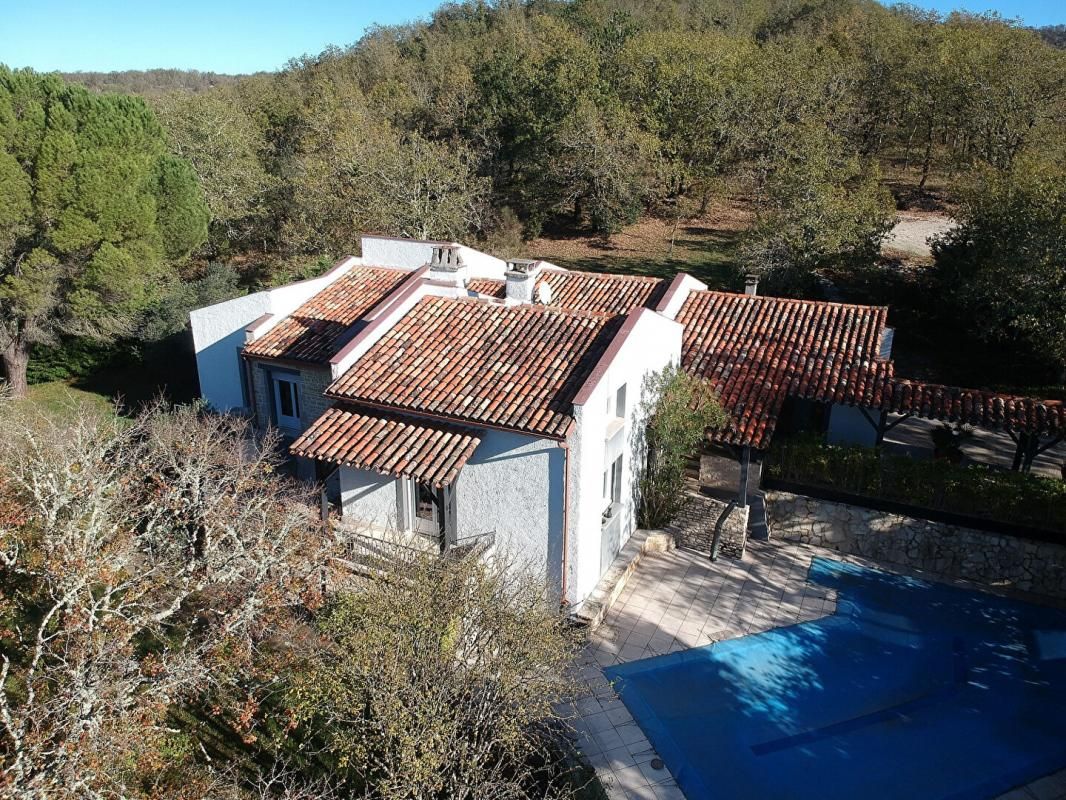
{"x":446,"y":394}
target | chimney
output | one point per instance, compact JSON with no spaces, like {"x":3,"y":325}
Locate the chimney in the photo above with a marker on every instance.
{"x":446,"y":264}
{"x":751,"y":285}
{"x":521,"y":275}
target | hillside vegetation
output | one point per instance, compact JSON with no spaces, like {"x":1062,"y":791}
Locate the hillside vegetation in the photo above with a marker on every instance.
{"x":569,"y":129}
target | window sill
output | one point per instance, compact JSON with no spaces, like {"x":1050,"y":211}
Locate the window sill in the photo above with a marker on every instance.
{"x":616,"y":424}
{"x":608,"y":515}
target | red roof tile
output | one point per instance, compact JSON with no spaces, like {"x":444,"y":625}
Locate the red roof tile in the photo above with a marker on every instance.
{"x":391,"y":444}
{"x":756,"y":351}
{"x":590,"y":292}
{"x":313,"y":331}
{"x":516,"y":367}
{"x":971,"y":406}
{"x":490,"y":286}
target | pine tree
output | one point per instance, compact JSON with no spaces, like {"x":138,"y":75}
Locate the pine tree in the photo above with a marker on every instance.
{"x":93,"y":213}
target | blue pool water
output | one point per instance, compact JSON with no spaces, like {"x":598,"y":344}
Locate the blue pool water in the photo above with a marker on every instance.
{"x":912,"y":690}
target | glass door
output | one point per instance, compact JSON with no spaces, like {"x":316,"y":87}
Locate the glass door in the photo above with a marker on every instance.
{"x":287,"y":403}
{"x":427,"y":515}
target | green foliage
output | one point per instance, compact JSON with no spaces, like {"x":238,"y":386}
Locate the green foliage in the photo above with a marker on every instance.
{"x":679,"y":410}
{"x":976,"y":490}
{"x":69,"y":358}
{"x":1004,"y":263}
{"x":92,"y":212}
{"x":438,"y":681}
{"x":820,"y":207}
{"x":170,"y":313}
{"x":226,"y":148}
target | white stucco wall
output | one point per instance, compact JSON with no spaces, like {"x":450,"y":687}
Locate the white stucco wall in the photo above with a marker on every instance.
{"x":684,"y":284}
{"x":652,"y":344}
{"x":513,"y":485}
{"x":369,"y":497}
{"x":218,"y":333}
{"x":415,"y":253}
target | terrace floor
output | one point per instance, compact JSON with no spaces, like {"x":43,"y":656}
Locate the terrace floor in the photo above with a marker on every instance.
{"x":679,"y":600}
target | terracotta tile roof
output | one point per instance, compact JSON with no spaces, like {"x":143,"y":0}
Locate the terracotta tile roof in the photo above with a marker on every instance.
{"x":516,"y":367}
{"x":756,"y":351}
{"x":391,"y":444}
{"x":490,"y":286}
{"x":590,"y":292}
{"x":313,"y":331}
{"x":970,"y":406}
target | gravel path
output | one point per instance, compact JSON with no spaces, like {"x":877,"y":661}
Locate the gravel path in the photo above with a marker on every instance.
{"x":911,"y":234}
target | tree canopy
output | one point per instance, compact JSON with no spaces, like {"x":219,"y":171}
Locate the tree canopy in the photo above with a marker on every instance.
{"x":93,"y":209}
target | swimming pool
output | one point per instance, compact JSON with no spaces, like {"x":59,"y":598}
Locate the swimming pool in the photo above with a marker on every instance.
{"x":912,"y":690}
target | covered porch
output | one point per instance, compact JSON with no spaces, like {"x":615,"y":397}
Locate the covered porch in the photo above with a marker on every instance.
{"x":388,"y":476}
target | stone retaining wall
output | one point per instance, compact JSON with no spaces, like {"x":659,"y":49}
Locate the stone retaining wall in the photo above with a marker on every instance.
{"x":694,"y":526}
{"x":949,"y":550}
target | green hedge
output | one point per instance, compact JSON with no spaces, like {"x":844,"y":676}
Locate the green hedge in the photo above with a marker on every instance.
{"x":974,"y":491}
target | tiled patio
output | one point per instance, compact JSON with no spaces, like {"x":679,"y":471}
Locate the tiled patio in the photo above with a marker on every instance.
{"x":678,"y":600}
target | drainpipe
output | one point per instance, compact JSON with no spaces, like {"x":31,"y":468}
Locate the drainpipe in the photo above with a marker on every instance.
{"x":566,"y":513}
{"x":745,"y":461}
{"x":740,"y":501}
{"x":719,"y":526}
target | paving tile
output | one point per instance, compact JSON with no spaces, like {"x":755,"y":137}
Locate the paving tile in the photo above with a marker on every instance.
{"x":598,"y":721}
{"x":630,"y":778}
{"x":644,"y":792}
{"x":630,"y":734}
{"x":682,"y":592}
{"x":608,"y":740}
{"x":1051,"y":787}
{"x":619,"y":758}
{"x":653,"y":775}
{"x":1017,"y":794}
{"x":620,"y":716}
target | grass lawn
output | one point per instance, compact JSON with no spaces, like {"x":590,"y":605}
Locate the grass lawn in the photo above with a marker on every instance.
{"x":61,"y":397}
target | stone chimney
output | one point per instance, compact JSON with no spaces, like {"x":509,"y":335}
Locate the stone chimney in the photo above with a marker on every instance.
{"x":751,"y":285}
{"x":446,"y":265}
{"x":521,"y":275}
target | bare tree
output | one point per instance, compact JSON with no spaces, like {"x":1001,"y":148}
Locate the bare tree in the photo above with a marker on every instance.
{"x":141,"y":563}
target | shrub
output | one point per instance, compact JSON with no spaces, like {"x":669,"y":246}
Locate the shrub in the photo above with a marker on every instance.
{"x":974,"y":490}
{"x":679,"y":409}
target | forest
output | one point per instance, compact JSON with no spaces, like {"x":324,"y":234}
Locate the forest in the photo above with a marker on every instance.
{"x":508,"y":125}
{"x":176,"y":620}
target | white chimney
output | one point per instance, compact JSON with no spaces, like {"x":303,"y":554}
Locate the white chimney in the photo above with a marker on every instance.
{"x":751,"y":285}
{"x":446,"y":264}
{"x":521,"y":276}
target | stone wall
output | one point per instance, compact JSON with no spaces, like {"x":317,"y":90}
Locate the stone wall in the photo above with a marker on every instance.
{"x":948,"y":550}
{"x":313,"y":403}
{"x":694,"y":526}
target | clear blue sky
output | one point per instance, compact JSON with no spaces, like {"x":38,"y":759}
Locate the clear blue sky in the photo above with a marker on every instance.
{"x":248,"y":35}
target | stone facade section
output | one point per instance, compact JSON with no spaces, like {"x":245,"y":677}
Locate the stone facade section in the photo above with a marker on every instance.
{"x":695,"y":523}
{"x":948,"y":550}
{"x":313,"y":403}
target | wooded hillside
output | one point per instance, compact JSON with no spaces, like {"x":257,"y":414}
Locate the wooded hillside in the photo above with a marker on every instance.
{"x":497,"y":123}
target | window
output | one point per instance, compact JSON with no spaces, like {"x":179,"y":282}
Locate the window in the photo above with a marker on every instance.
{"x":616,"y":480}
{"x":612,"y":488}
{"x":425,"y":504}
{"x":427,"y":510}
{"x":287,"y":403}
{"x":616,"y":403}
{"x":242,"y":368}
